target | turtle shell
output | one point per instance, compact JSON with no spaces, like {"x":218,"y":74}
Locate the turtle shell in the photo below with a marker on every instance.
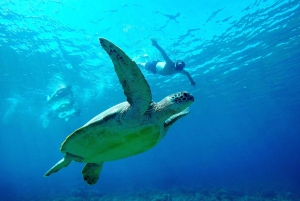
{"x":106,"y":138}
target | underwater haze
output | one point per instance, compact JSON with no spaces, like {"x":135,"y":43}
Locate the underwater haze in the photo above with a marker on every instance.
{"x":241,"y":140}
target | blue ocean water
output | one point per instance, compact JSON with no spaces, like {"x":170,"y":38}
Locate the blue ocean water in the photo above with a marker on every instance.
{"x":240,"y":140}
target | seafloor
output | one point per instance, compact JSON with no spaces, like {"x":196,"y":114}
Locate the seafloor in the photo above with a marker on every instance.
{"x":176,"y":195}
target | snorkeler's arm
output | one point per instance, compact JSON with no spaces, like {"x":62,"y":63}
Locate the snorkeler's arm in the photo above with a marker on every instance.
{"x":189,"y":76}
{"x":162,"y":52}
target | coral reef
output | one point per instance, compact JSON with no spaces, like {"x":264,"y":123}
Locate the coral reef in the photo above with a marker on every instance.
{"x":184,"y":194}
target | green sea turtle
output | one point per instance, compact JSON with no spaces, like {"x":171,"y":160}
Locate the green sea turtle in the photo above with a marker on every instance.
{"x":126,"y":129}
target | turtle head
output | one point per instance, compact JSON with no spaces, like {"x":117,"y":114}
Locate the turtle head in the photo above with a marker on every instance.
{"x":180,"y":101}
{"x":174,"y":104}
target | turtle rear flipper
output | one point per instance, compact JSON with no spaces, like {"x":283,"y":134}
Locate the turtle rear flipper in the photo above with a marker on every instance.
{"x":91,"y":172}
{"x":64,"y":162}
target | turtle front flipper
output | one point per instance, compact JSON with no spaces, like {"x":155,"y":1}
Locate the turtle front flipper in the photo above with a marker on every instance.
{"x":169,"y":122}
{"x":135,"y":86}
{"x":91,"y":172}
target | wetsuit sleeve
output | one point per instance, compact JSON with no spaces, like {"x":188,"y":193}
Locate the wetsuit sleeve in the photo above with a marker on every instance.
{"x":189,"y":76}
{"x":163,"y":53}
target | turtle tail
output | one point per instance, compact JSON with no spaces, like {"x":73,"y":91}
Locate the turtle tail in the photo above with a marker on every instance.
{"x":64,"y":162}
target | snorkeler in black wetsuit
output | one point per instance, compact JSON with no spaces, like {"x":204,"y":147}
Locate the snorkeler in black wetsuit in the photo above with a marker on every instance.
{"x":168,"y":67}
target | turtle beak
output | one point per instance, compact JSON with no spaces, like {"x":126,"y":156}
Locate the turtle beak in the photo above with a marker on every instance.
{"x":188,"y":96}
{"x":191,"y":98}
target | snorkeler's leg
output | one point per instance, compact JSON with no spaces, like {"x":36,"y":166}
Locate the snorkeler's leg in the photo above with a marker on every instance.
{"x":141,"y":65}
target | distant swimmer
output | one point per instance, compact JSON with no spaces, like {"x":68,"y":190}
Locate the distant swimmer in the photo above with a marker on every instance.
{"x":66,"y":115}
{"x":60,"y":93}
{"x":62,"y":104}
{"x":168,"y":67}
